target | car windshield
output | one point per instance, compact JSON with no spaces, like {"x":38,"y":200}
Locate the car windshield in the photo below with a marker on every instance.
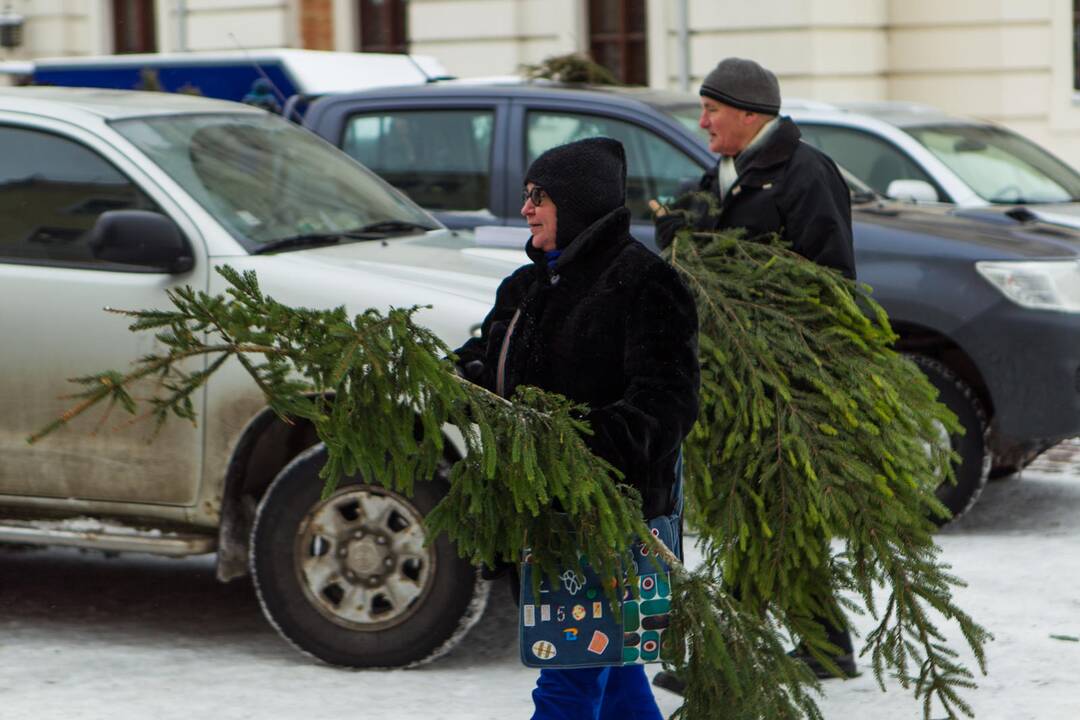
{"x":999,"y":165}
{"x":267,"y":181}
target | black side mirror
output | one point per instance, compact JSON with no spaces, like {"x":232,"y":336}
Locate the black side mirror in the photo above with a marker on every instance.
{"x":143,"y":238}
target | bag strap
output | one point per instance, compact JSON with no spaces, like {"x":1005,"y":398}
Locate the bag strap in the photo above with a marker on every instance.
{"x":500,"y":374}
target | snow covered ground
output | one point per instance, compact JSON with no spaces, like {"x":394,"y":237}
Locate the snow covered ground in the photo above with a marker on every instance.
{"x":86,"y":637}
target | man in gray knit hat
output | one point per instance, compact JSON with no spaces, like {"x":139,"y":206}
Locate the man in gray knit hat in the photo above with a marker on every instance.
{"x":768,"y":181}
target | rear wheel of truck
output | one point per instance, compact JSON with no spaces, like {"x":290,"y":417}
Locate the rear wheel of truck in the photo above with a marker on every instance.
{"x":973,"y":469}
{"x":350,"y":579}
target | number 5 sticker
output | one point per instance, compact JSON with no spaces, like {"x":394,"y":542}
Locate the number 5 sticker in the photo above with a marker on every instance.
{"x":560,"y":613}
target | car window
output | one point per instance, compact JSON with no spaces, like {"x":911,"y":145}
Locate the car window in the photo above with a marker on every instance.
{"x":52,"y":191}
{"x":874,"y":161}
{"x":439,"y":158}
{"x":655,"y":168}
{"x":1000,"y":166}
{"x":266,"y":180}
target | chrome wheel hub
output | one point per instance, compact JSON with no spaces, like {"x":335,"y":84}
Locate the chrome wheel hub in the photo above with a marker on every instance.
{"x":361,"y":558}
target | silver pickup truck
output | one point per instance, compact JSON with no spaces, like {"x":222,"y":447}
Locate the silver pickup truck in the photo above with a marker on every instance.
{"x":108,"y":199}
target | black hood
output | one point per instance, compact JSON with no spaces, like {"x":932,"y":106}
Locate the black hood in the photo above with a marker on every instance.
{"x":586,"y":180}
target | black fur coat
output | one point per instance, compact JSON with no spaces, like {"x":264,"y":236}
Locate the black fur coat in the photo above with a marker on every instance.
{"x":613,"y":326}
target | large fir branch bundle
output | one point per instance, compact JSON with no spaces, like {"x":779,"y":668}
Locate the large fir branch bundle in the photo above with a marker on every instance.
{"x":378,"y":390}
{"x":812,"y":468}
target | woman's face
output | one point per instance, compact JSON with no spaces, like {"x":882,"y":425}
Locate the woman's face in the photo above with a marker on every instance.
{"x":541,"y":218}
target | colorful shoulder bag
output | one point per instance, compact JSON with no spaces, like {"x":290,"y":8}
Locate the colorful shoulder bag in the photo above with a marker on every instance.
{"x":573,"y":626}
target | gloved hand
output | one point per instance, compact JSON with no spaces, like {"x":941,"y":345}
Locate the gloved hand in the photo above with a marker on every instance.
{"x":666,"y":227}
{"x":471,"y":371}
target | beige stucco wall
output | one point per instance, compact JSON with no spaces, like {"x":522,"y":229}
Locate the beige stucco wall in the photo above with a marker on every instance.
{"x":230,"y":24}
{"x":833,"y":49}
{"x":494,"y":37}
{"x":1006,"y":60}
{"x":59,"y":27}
{"x":990,"y":58}
{"x":84,"y":27}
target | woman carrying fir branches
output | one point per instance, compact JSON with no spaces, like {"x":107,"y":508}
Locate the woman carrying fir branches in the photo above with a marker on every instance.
{"x":603,"y":321}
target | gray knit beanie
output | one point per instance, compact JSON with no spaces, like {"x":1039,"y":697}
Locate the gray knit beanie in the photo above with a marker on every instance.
{"x":743,"y":84}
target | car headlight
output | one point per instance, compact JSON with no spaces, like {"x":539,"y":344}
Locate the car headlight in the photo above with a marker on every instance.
{"x":1040,"y":285}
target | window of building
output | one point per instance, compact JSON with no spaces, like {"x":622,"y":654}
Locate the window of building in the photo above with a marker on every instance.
{"x":134,"y":28}
{"x":617,"y":38}
{"x":439,"y":158}
{"x":384,"y":26}
{"x":654,"y":167}
{"x":52,"y":191}
{"x":1076,"y":44}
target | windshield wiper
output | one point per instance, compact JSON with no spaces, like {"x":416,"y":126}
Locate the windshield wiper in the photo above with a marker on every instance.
{"x":371,"y":231}
{"x":298,"y":241}
{"x":388,"y":227}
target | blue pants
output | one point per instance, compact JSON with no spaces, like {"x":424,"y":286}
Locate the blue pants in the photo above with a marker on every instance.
{"x":604,"y":693}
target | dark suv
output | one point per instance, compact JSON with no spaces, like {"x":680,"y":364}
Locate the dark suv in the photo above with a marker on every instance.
{"x":986,"y":301}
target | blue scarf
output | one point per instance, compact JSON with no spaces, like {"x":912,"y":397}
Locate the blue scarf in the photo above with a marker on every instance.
{"x":552,"y":256}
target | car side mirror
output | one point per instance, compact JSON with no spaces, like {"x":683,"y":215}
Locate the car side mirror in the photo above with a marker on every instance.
{"x":912,"y":190}
{"x":143,"y":238}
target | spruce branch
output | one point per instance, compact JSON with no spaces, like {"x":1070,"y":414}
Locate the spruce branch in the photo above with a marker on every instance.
{"x":810,"y":471}
{"x":812,"y":468}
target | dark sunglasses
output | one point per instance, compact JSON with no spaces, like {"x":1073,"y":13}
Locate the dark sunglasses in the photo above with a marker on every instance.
{"x":536,"y":195}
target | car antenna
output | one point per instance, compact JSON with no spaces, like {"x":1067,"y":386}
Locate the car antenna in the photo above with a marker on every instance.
{"x":427,"y":78}
{"x":280,"y":95}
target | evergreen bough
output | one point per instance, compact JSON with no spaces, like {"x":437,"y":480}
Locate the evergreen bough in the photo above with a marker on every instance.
{"x":810,"y":471}
{"x":572,"y":68}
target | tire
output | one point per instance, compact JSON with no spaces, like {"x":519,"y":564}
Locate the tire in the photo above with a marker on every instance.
{"x":349,"y":581}
{"x":973,"y":469}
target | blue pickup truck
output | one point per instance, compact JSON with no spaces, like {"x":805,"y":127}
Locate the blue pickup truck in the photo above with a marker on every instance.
{"x":985,"y":300}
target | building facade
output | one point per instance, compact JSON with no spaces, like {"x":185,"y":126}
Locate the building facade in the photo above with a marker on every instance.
{"x":1011,"y":61}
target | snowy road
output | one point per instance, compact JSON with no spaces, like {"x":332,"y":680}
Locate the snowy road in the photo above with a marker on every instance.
{"x":85,"y":637}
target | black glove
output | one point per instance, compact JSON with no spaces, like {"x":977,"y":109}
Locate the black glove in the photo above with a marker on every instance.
{"x":471,"y":371}
{"x":666,"y":227}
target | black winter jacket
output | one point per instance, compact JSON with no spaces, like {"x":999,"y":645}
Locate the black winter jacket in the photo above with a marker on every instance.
{"x":785,"y":186}
{"x":613,"y":326}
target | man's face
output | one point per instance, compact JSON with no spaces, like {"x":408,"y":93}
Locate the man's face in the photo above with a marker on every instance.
{"x":730,"y":129}
{"x":541,"y":219}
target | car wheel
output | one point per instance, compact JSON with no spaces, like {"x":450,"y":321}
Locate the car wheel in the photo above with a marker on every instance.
{"x":351,"y":579}
{"x":972,"y":447}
